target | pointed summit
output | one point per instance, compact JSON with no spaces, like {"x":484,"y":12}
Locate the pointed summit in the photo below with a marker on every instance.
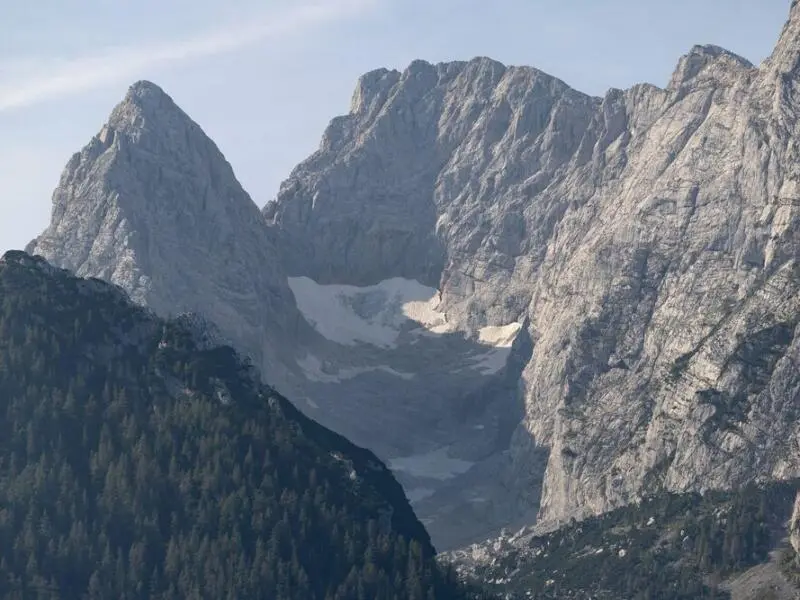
{"x":144,"y":89}
{"x":151,"y":204}
{"x":706,"y":62}
{"x":150,"y":164}
{"x":146,"y":102}
{"x":785,"y":58}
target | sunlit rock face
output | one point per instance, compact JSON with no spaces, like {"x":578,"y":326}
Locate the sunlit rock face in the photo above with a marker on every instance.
{"x":526,"y":299}
{"x":646,"y":241}
{"x":151,"y":205}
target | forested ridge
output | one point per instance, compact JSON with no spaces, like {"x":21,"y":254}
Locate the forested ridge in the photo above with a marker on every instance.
{"x":669,"y":546}
{"x":136,"y":462}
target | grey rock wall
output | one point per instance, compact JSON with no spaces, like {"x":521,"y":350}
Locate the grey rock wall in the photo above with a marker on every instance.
{"x":647,"y":241}
{"x":649,"y":238}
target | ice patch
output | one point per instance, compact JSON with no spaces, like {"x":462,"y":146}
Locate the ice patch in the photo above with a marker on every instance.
{"x":375,"y":314}
{"x":378,"y":315}
{"x":432,"y":465}
{"x":499,"y":337}
{"x":315,"y":370}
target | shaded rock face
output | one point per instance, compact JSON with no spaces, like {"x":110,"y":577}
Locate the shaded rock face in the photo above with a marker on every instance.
{"x":525,"y":299}
{"x":794,"y":525}
{"x":648,"y":239}
{"x":151,"y":205}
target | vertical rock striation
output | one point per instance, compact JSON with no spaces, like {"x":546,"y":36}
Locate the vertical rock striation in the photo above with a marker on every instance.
{"x":551,"y":302}
{"x":151,"y":205}
{"x":648,"y":238}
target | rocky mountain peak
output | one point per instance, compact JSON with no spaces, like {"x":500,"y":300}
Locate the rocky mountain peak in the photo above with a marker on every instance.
{"x":707,"y":62}
{"x":149,"y":165}
{"x":149,"y":97}
{"x":148,"y":112}
{"x":785,"y":59}
{"x":372,"y":88}
{"x":147,"y":92}
{"x":152,"y":205}
{"x":406,"y":126}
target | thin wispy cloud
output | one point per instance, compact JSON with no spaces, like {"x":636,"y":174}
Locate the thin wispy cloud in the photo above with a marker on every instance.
{"x":41,"y":81}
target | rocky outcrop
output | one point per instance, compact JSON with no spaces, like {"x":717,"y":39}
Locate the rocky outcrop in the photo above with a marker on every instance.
{"x":151,"y":205}
{"x":648,"y":238}
{"x":524,"y":298}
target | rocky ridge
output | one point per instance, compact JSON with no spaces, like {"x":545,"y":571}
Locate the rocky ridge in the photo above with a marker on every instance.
{"x":151,"y":205}
{"x":646,"y":238}
{"x":544,"y":301}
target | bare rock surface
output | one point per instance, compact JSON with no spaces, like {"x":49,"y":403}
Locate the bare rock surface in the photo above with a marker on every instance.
{"x":648,"y":239}
{"x":526,"y":299}
{"x":151,"y":205}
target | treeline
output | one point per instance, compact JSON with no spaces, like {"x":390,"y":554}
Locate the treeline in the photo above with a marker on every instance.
{"x":670,"y":546}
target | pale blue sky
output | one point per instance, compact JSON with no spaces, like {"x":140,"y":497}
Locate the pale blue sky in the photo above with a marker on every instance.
{"x":263,"y":78}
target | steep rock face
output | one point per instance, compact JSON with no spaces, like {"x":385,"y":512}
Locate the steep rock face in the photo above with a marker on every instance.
{"x":151,"y":205}
{"x":647,"y":238}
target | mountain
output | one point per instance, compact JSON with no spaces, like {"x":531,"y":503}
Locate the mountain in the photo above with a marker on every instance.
{"x":151,"y":205}
{"x":532,"y":303}
{"x":141,"y":460}
{"x":646,"y":241}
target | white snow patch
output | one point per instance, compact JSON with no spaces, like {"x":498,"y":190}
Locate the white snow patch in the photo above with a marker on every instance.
{"x":432,"y":465}
{"x":499,"y":336}
{"x":315,"y":370}
{"x":377,"y":315}
{"x":374,"y":314}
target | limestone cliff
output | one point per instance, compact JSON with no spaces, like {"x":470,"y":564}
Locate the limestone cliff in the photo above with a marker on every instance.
{"x":523,"y":297}
{"x":151,"y":205}
{"x":648,"y":238}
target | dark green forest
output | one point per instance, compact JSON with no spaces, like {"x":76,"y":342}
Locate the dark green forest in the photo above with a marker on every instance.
{"x":135,"y":463}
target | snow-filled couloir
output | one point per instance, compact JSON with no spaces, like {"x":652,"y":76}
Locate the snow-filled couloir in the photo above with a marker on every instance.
{"x":391,"y":371}
{"x":387,"y":315}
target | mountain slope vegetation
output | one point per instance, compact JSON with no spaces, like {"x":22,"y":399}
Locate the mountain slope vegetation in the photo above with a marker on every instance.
{"x":139,"y":461}
{"x":670,"y":546}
